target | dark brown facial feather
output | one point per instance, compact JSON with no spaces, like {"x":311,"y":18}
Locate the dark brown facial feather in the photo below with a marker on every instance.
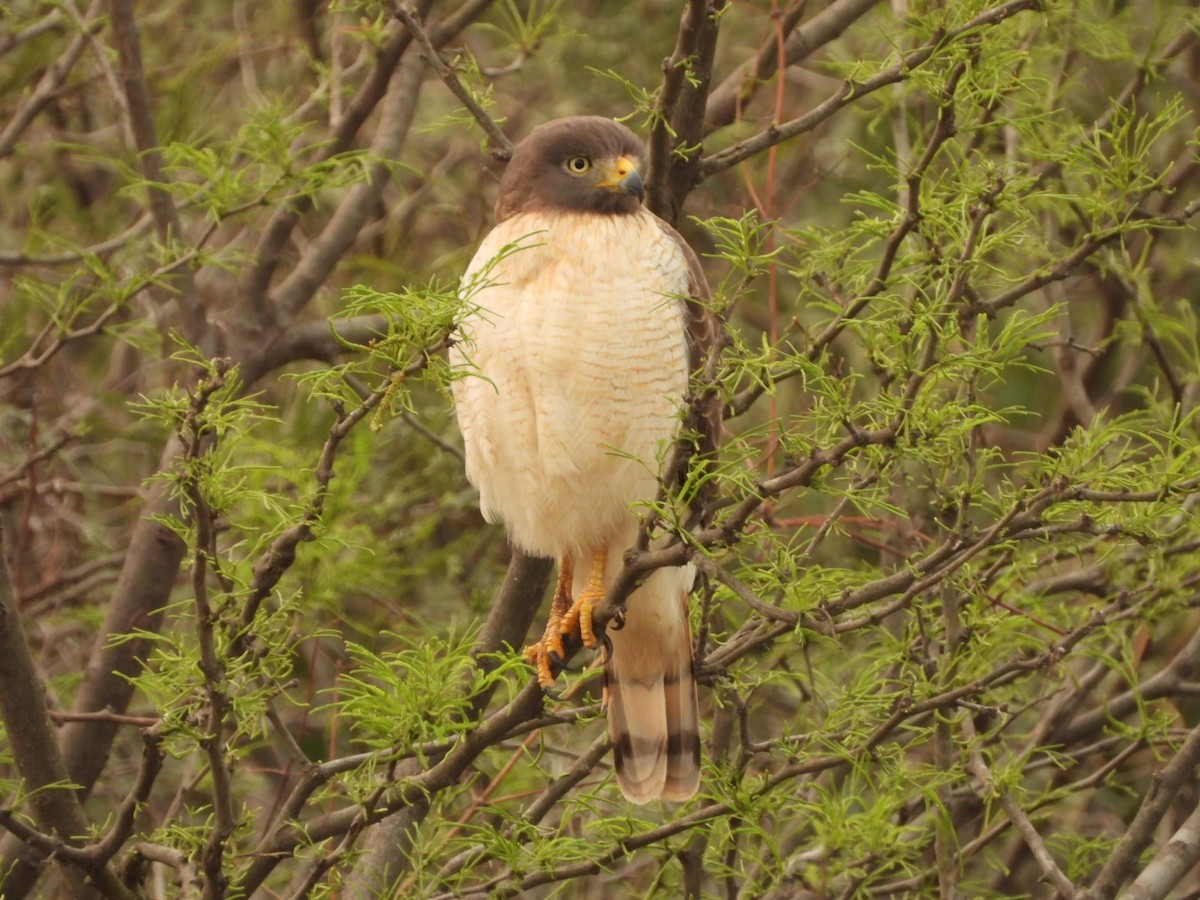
{"x":535,"y":178}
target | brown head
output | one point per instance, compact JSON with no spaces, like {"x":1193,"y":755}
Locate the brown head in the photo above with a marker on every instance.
{"x":578,"y":164}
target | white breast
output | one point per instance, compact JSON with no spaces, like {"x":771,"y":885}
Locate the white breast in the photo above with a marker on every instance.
{"x":579,"y":362}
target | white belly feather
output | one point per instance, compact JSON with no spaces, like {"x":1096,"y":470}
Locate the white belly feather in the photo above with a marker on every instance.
{"x":578,"y":365}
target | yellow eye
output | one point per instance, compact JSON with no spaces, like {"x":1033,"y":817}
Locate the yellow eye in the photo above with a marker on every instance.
{"x":577,"y":165}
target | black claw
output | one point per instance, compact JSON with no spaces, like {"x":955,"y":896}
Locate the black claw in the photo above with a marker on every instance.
{"x":618,"y":620}
{"x":606,"y":641}
{"x":551,"y":692}
{"x":560,"y":665}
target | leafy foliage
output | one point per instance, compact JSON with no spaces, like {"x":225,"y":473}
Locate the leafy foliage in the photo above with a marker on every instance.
{"x":945,"y":611}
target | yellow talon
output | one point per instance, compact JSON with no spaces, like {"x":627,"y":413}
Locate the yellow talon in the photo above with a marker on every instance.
{"x":567,"y":617}
{"x":580,"y":614}
{"x":551,"y":642}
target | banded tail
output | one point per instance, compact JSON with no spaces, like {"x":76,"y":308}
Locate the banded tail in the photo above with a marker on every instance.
{"x":650,"y":690}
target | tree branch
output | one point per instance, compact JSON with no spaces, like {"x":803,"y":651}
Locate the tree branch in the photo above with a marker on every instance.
{"x":850,"y":92}
{"x":1170,"y":865}
{"x":498,"y":143}
{"x":678,"y":124}
{"x":49,"y":84}
{"x":740,"y":85}
{"x":1029,"y":833}
{"x":30,"y":736}
{"x":1163,"y":793}
{"x":193,"y":321}
{"x":49,"y":22}
{"x":311,"y":270}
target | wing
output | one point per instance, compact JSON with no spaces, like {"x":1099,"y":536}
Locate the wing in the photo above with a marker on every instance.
{"x":706,"y":339}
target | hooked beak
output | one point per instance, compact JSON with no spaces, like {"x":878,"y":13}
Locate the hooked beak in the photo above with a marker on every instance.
{"x":622,"y":177}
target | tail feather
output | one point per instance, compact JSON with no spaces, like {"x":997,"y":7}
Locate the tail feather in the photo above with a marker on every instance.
{"x":650,"y":686}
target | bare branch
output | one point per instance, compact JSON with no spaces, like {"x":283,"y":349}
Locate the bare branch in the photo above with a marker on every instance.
{"x":1029,"y":833}
{"x":1165,"y":790}
{"x":105,"y":716}
{"x":121,"y":829}
{"x":49,"y":84}
{"x":678,"y":125}
{"x":500,"y":146}
{"x":396,"y":116}
{"x":740,"y":85}
{"x":322,"y":340}
{"x":851,"y":92}
{"x":30,"y":736}
{"x":103,"y":248}
{"x":78,"y":574}
{"x":48,"y":22}
{"x":194,"y":322}
{"x":33,"y":459}
{"x":1162,"y":876}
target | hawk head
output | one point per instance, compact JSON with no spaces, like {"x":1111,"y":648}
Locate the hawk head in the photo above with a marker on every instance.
{"x":582,"y":164}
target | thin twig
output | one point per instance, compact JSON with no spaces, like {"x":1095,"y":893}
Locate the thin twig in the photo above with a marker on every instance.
{"x":195,"y":434}
{"x":740,"y":85}
{"x":49,"y":84}
{"x":143,"y":224}
{"x":48,"y":22}
{"x":1029,"y":833}
{"x":851,"y":92}
{"x":136,"y":92}
{"x":499,"y":145}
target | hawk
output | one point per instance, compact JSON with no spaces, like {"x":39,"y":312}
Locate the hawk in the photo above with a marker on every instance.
{"x":589,"y":317}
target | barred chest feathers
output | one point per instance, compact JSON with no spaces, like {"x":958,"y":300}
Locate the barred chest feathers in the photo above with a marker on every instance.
{"x":581,"y":365}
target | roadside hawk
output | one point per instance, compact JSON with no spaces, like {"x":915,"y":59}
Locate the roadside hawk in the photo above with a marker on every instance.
{"x":589,"y":315}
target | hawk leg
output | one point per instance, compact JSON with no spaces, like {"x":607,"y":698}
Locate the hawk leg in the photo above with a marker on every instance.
{"x":580,"y":614}
{"x":548,"y":654}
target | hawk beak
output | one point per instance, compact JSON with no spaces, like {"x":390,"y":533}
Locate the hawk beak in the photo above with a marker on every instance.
{"x":621,"y":176}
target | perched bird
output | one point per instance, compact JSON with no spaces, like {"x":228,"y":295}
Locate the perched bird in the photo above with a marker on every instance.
{"x":589,"y":317}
